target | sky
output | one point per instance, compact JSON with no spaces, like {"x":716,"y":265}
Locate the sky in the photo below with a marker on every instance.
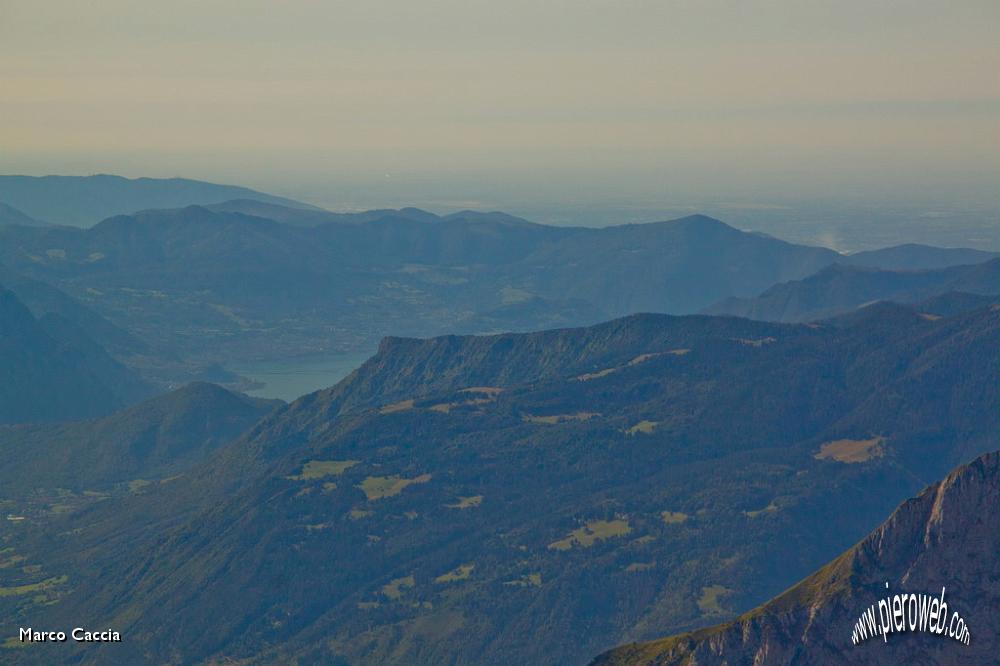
{"x":466,"y":103}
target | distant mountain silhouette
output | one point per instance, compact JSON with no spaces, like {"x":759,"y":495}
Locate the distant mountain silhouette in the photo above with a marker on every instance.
{"x":42,"y":299}
{"x":839,"y":288}
{"x":82,"y":201}
{"x":942,"y":543}
{"x":53,"y":372}
{"x":913,"y":257}
{"x":11,"y":215}
{"x":310,"y":217}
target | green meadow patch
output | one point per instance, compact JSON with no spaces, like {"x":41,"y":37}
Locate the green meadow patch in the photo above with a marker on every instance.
{"x":40,"y":586}
{"x":673,"y":517}
{"x":401,"y":406}
{"x":709,"y":603}
{"x":591,"y":533}
{"x":852,"y":450}
{"x":644,"y":427}
{"x":378,"y":487}
{"x":466,"y":502}
{"x":636,"y":567}
{"x":459,"y":573}
{"x":318,"y":469}
{"x":394,"y":588}
{"x":358,"y":514}
{"x":770,"y":508}
{"x":553,"y":419}
{"x":530,"y":580}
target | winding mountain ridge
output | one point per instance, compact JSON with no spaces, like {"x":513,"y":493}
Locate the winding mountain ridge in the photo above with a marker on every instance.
{"x":840,"y":288}
{"x":943,"y":543}
{"x":527,"y":497}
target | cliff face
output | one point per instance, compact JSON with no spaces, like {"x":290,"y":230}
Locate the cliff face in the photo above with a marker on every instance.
{"x":947,"y":537}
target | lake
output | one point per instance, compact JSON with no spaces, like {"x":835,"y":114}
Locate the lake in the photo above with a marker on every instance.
{"x":289,"y":379}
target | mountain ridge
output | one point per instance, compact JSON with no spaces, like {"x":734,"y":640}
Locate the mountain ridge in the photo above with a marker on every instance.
{"x":85,"y":200}
{"x":839,"y":288}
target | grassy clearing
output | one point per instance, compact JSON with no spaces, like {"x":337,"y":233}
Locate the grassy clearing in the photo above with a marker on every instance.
{"x":358,"y":514}
{"x":446,"y":407}
{"x":759,"y":342}
{"x":553,"y":419}
{"x":487,"y":395}
{"x":40,"y":586}
{"x":12,"y":643}
{"x":401,"y":406}
{"x":466,"y":502}
{"x":673,"y":517}
{"x":317,"y":527}
{"x":318,"y":469}
{"x":595,"y":375}
{"x":851,"y":450}
{"x":636,"y":567}
{"x":487,"y":390}
{"x":7,"y":562}
{"x":462,"y":572}
{"x":643,"y":427}
{"x":379,"y":487}
{"x":709,"y":603}
{"x":591,"y":533}
{"x":394,"y":588}
{"x":531,"y":580}
{"x":770,"y":508}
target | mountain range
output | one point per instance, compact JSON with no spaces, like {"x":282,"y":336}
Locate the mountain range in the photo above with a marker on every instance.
{"x":525,"y":497}
{"x":221,"y":284}
{"x":478,"y":490}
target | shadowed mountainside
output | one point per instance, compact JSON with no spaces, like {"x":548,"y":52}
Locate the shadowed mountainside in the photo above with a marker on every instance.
{"x":154,"y":439}
{"x":52,"y":371}
{"x":530,"y":498}
{"x":946,"y":538}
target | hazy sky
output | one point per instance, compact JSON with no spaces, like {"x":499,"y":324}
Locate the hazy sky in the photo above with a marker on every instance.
{"x":386,"y":101}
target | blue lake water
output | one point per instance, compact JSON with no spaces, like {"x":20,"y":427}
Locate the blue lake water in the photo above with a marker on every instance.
{"x":289,"y":379}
